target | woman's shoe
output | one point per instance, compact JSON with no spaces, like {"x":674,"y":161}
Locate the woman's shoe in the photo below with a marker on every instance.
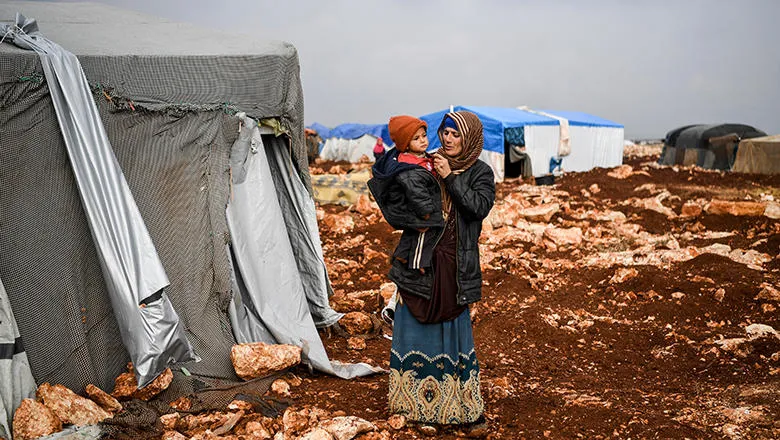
{"x":388,"y":312}
{"x":477,"y":429}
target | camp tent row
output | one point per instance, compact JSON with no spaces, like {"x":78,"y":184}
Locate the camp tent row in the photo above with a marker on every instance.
{"x":350,"y":142}
{"x":193,"y":159}
{"x":592,"y":141}
{"x":718,"y":146}
{"x":574,"y":140}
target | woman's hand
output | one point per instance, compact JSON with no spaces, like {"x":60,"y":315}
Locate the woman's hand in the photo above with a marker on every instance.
{"x":441,"y":165}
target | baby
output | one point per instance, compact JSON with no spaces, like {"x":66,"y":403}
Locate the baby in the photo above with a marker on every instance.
{"x":407,"y":191}
{"x":404,"y":183}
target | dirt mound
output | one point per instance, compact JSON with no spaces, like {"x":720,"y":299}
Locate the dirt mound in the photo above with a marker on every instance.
{"x":637,"y":330}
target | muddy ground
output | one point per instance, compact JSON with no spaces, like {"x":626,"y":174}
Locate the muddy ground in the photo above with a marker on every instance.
{"x":636,"y":327}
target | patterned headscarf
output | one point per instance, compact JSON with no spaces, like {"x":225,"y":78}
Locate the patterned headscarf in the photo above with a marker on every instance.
{"x":472,"y":140}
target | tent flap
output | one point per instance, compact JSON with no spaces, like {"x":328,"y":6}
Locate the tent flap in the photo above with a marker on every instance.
{"x":274,"y":301}
{"x":16,"y":380}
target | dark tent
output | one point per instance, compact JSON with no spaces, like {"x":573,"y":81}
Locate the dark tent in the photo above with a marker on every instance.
{"x":708,"y":146}
{"x":671,"y":137}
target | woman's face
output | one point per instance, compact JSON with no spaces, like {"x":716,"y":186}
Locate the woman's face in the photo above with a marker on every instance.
{"x":451,"y":142}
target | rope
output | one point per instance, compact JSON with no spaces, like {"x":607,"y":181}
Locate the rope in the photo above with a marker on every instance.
{"x":12,"y":29}
{"x":36,"y":78}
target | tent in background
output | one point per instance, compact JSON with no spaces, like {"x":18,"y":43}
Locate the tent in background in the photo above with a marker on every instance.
{"x":594,"y":141}
{"x":759,"y":155}
{"x":599,"y":142}
{"x":350,"y":142}
{"x":322,"y":131}
{"x":170,"y":97}
{"x":708,"y":146}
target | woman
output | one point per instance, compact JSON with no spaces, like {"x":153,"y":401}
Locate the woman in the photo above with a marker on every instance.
{"x":434,"y":375}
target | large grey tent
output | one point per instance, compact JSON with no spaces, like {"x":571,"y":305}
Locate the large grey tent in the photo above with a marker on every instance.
{"x":708,"y":146}
{"x":226,"y":202}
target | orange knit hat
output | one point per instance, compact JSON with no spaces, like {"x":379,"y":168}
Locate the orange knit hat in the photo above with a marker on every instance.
{"x":402,"y":129}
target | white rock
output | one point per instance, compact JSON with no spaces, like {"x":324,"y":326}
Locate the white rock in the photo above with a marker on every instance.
{"x":397,"y":421}
{"x":772,"y":210}
{"x":737,"y":346}
{"x":316,"y":434}
{"x":541,"y":213}
{"x":347,"y":427}
{"x":755,"y":331}
{"x":562,"y":236}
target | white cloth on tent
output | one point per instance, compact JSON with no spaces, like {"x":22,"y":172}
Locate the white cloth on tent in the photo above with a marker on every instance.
{"x":269,"y":301}
{"x":564,"y":142}
{"x":16,"y":380}
{"x":496,"y":162}
{"x":541,"y":143}
{"x":350,"y":150}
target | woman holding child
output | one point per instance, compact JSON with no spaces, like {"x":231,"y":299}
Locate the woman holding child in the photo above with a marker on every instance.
{"x":439,"y":202}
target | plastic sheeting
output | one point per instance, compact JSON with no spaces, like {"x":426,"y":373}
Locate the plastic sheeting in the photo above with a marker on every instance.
{"x":350,"y":150}
{"x":340,"y":189}
{"x":564,"y":139}
{"x":322,"y":131}
{"x":270,"y":302}
{"x":583,"y":119}
{"x":354,"y":131}
{"x":496,"y":162}
{"x":541,"y":144}
{"x":594,"y":147}
{"x":133,"y":272}
{"x":16,"y":380}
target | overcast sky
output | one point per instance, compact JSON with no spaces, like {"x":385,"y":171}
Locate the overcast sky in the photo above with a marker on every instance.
{"x":650,"y":65}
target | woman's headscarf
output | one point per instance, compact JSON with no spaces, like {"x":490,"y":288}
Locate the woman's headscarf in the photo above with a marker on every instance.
{"x":472,"y":140}
{"x":470,"y":128}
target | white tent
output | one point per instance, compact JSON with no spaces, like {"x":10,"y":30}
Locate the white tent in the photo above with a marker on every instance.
{"x":350,"y":150}
{"x":350,"y":142}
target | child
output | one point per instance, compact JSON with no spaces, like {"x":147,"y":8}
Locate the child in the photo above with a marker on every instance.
{"x":403,"y":183}
{"x":379,"y":149}
{"x":408,"y":193}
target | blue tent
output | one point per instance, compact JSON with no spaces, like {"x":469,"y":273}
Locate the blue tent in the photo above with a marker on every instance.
{"x":354,"y":131}
{"x":321,"y":130}
{"x":494,"y":121}
{"x":594,"y":141}
{"x":583,"y":119}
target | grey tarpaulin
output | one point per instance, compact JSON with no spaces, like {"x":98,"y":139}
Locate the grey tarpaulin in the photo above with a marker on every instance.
{"x":300,"y":216}
{"x":270,"y":291}
{"x":16,"y":380}
{"x":134,"y":275}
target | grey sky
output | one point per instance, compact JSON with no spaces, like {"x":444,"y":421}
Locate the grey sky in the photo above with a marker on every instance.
{"x":651,"y":65}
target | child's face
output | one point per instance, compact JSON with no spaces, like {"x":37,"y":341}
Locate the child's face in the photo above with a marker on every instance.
{"x":419,"y":142}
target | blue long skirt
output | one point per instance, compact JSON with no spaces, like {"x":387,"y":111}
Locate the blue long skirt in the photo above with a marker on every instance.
{"x":434,"y":375}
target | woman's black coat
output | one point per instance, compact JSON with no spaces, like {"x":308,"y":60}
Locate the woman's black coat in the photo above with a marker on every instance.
{"x":473,"y":193}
